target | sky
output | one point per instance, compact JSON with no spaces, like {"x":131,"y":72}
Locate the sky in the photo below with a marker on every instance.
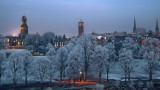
{"x":62,"y":16}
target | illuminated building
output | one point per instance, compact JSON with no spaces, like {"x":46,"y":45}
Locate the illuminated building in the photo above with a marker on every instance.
{"x":61,"y":41}
{"x":17,"y":41}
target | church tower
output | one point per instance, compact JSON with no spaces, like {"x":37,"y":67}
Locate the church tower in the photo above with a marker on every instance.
{"x":134,"y":27}
{"x":80,"y":28}
{"x":157,"y":28}
{"x":23,"y":28}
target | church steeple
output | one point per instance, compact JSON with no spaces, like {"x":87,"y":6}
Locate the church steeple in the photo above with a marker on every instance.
{"x":157,"y":28}
{"x":134,"y":27}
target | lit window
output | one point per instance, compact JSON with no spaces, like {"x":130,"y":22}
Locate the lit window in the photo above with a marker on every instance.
{"x":54,"y":44}
{"x":105,"y":37}
{"x":8,"y":40}
{"x":22,"y":43}
{"x":18,"y":43}
{"x":62,"y":43}
{"x":57,"y":43}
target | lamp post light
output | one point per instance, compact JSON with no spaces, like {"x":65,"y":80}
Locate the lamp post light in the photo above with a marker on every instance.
{"x":80,"y":75}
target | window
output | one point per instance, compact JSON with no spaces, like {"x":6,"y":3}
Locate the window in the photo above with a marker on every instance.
{"x":62,"y":43}
{"x":57,"y":43}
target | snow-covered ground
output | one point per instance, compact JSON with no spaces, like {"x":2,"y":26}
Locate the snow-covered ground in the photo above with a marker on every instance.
{"x":13,"y":50}
{"x":139,"y":72}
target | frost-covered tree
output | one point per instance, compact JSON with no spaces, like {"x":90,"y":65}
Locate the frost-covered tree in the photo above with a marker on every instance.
{"x":26,"y":64}
{"x":51,"y":55}
{"x":150,"y":50}
{"x":14,"y":69}
{"x":127,"y":62}
{"x":33,"y":40}
{"x":48,"y":37}
{"x":101,"y":59}
{"x":49,"y":46}
{"x":62,"y":55}
{"x":1,"y":43}
{"x":150,"y":44}
{"x":88,"y":43}
{"x":129,"y":43}
{"x":41,"y":68}
{"x":151,"y":63}
{"x":74,"y":40}
{"x":2,"y":63}
{"x":75,"y":63}
{"x":111,"y":53}
{"x":69,"y":47}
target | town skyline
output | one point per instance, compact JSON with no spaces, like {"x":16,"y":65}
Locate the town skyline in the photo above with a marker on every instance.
{"x":61,"y":18}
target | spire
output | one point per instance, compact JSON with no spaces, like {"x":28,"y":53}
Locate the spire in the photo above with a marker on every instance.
{"x":134,"y":27}
{"x":157,"y":23}
{"x":157,"y":28}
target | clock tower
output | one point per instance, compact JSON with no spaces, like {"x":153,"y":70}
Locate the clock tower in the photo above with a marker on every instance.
{"x":80,"y":28}
{"x":23,"y":28}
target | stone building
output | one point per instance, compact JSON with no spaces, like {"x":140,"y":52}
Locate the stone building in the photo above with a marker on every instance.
{"x":17,"y":41}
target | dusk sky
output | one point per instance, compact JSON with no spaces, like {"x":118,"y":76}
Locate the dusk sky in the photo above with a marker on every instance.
{"x":62,"y":16}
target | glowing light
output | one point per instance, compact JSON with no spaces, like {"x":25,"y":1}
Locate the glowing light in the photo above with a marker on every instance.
{"x":15,"y":32}
{"x":57,"y":43}
{"x":99,"y":37}
{"x":80,"y":73}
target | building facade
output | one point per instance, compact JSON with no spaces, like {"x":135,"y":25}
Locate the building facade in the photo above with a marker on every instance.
{"x":17,"y":41}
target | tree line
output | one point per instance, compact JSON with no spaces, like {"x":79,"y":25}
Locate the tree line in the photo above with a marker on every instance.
{"x":82,"y":54}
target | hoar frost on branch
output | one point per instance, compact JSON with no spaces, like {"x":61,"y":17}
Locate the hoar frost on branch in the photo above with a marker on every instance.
{"x":62,"y":55}
{"x":88,"y":43}
{"x":127,"y":62}
{"x":51,"y":55}
{"x":2,"y":64}
{"x":75,"y":63}
{"x":41,"y":68}
{"x":101,"y":59}
{"x":150,"y":50}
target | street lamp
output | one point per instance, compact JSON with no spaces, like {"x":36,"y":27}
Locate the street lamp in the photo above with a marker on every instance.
{"x":80,"y":75}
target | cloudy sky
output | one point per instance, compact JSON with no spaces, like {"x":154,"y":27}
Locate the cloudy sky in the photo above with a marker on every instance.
{"x":62,"y":16}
